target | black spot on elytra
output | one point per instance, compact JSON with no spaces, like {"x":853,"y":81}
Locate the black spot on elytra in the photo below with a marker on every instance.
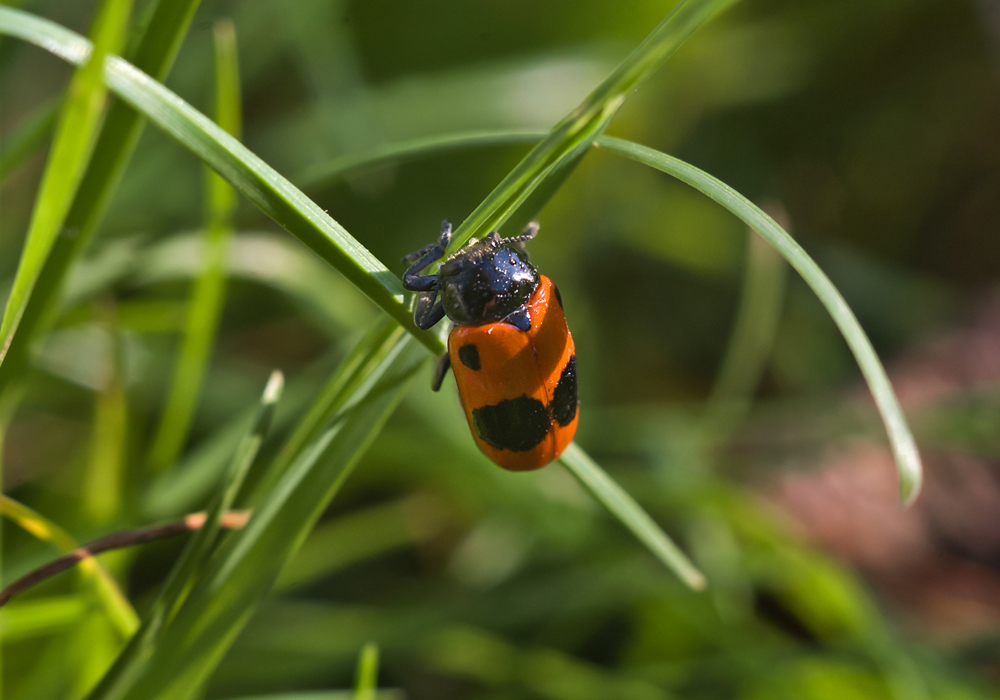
{"x":565,"y":397}
{"x":517,"y":424}
{"x":469,"y":355}
{"x":558,"y":295}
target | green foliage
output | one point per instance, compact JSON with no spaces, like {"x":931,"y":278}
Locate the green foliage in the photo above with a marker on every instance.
{"x":432,"y":569}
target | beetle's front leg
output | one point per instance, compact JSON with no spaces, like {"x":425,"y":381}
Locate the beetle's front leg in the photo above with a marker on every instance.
{"x":428,"y":310}
{"x":422,"y":258}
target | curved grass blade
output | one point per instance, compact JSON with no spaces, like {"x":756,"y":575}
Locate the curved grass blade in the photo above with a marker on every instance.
{"x":260,"y":183}
{"x":322,"y":174}
{"x":574,"y":135}
{"x":122,"y":127}
{"x":289,"y":207}
{"x":74,"y":141}
{"x":208,"y":295}
{"x":903,"y":445}
{"x":116,"y":606}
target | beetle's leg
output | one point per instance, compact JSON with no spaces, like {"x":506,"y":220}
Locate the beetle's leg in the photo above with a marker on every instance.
{"x":443,"y":365}
{"x":420,"y":259}
{"x":427,"y":310}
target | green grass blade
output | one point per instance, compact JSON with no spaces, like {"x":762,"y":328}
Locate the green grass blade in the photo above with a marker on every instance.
{"x":195,"y":556}
{"x":10,"y":399}
{"x":622,"y":506}
{"x":260,"y":183}
{"x":901,"y":439}
{"x":380,"y":340}
{"x":362,"y":534}
{"x":366,"y":684}
{"x":26,"y":141}
{"x":287,"y":205}
{"x":103,"y":484}
{"x":116,"y":606}
{"x":248,"y":563}
{"x":156,"y":51}
{"x":197,"y":552}
{"x":325,"y":173}
{"x":75,"y":137}
{"x":280,"y":200}
{"x":208,"y":296}
{"x":903,"y":445}
{"x":578,"y":130}
{"x":34,"y":618}
{"x":327,"y":695}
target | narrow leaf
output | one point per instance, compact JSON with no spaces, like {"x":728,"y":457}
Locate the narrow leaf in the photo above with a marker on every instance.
{"x":903,"y":445}
{"x":116,"y":606}
{"x":248,"y":563}
{"x":156,"y":51}
{"x":208,"y":295}
{"x":367,"y":676}
{"x":75,"y":137}
{"x":610,"y":495}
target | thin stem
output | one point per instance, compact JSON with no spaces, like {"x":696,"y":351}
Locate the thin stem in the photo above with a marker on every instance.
{"x":116,"y":605}
{"x":232,"y":520}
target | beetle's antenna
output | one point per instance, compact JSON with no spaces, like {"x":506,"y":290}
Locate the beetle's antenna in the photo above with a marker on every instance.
{"x":530,"y":232}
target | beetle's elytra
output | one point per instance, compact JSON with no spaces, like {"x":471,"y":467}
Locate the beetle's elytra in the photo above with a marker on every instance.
{"x":510,"y":348}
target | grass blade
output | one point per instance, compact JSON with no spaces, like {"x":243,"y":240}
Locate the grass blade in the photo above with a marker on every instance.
{"x":10,"y":399}
{"x":246,"y":566}
{"x":208,"y":296}
{"x":195,"y":556}
{"x":328,"y":695}
{"x":367,"y":679}
{"x":75,"y":137}
{"x":103,"y":482}
{"x":296,"y":213}
{"x":116,"y":606}
{"x":380,"y":340}
{"x":197,"y":552}
{"x":903,"y":445}
{"x":622,"y":506}
{"x":35,"y":618}
{"x":577,"y":131}
{"x":122,"y":127}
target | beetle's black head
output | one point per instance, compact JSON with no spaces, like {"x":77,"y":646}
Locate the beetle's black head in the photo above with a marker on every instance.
{"x":486,"y":280}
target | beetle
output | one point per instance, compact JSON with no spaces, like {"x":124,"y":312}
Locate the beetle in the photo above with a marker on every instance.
{"x":510,"y":348}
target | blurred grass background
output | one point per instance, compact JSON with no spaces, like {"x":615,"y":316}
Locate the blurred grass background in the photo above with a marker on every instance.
{"x":869,"y":127}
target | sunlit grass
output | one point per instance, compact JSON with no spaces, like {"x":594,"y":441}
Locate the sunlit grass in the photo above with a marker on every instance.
{"x":335,"y":417}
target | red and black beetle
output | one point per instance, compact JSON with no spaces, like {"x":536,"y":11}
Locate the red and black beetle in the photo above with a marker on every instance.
{"x":510,"y":347}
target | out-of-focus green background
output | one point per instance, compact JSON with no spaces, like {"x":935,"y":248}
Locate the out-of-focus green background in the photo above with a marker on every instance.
{"x":870,"y":127}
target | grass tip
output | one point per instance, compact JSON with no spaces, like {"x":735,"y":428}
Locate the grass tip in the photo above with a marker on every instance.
{"x":275,"y":385}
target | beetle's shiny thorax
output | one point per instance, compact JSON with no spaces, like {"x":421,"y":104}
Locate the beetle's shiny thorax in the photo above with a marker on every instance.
{"x":483,"y":283}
